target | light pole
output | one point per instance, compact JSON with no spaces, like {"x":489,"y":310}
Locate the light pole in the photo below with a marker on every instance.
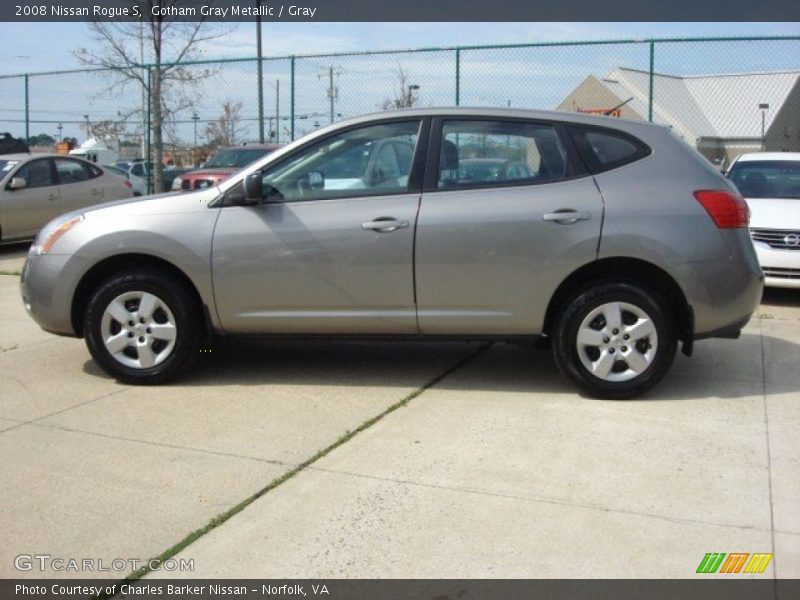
{"x":763,"y":108}
{"x":88,"y":133}
{"x":277,"y":87}
{"x":195,"y":118}
{"x":410,"y":97}
{"x":60,"y":127}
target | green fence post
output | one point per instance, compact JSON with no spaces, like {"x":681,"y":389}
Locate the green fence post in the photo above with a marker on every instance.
{"x":458,"y":76}
{"x":650,"y":99}
{"x":147,"y":157}
{"x":291,"y":100}
{"x":27,"y":112}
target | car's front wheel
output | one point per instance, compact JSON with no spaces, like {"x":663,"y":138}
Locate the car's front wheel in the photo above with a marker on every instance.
{"x":142,"y":328}
{"x":615,"y":340}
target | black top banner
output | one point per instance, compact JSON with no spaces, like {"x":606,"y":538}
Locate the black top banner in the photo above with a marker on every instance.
{"x":394,"y":10}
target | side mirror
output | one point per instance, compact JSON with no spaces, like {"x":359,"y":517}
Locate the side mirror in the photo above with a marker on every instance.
{"x":17,"y":183}
{"x":253,"y":188}
{"x":316,"y":180}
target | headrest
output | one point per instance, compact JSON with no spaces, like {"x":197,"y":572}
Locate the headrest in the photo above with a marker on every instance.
{"x":449,"y":157}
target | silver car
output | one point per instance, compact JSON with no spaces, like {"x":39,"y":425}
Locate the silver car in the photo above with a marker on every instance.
{"x":615,"y":242}
{"x":35,"y":188}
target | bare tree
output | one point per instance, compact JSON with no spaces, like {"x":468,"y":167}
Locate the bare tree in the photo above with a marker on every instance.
{"x":404,"y":96}
{"x":221,"y":131}
{"x":169,"y":85}
{"x":108,"y":129}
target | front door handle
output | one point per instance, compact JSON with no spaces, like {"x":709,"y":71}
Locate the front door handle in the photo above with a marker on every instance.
{"x":567,"y":216}
{"x":52,"y":197}
{"x":384,"y":225}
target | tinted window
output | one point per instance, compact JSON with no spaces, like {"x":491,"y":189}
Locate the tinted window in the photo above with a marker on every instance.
{"x":767,"y":178}
{"x":497,"y":153}
{"x":359,"y":162}
{"x":605,"y":149}
{"x":36,"y":173}
{"x":70,"y":171}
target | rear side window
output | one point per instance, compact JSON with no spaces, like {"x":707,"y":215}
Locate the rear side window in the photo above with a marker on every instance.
{"x":489,"y":153}
{"x":70,"y":171}
{"x":605,"y":149}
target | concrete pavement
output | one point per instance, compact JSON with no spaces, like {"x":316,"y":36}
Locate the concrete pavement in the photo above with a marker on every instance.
{"x":498,"y":470}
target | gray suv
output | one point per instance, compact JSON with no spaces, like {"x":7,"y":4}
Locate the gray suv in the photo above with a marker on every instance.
{"x":615,"y":242}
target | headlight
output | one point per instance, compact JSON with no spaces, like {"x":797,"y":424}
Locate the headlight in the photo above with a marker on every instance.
{"x":176,"y":183}
{"x":51,"y":232}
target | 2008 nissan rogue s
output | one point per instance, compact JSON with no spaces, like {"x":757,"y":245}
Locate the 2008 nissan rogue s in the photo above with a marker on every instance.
{"x":612,"y":238}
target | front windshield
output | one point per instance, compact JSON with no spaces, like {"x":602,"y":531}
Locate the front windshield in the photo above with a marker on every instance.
{"x":235,"y":158}
{"x":767,"y":178}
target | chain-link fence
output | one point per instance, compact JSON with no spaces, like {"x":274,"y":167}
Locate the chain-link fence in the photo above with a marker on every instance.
{"x":724,"y":95}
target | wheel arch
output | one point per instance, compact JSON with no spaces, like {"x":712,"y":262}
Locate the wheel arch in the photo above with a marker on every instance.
{"x":119,"y":262}
{"x":624,"y":269}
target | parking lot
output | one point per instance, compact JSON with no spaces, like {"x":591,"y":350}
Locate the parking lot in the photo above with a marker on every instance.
{"x":487,"y":462}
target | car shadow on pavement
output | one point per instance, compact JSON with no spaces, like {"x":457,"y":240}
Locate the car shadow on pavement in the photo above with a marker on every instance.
{"x":719,"y":368}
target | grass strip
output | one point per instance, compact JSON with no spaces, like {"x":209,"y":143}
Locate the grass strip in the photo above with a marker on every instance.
{"x":222,"y":517}
{"x":17,"y":273}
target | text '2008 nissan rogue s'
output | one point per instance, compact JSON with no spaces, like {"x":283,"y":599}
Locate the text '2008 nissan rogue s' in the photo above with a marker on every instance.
{"x":612,"y":238}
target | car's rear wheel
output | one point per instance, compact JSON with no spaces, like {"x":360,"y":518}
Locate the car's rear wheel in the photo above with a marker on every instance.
{"x":142,"y":328}
{"x":615,"y":340}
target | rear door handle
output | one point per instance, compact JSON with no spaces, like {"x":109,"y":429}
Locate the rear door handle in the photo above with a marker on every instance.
{"x":52,"y":197}
{"x":384,"y":225}
{"x":567,"y":217}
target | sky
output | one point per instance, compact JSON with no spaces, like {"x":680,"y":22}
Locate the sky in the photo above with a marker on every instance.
{"x":30,"y":47}
{"x":535,"y":78}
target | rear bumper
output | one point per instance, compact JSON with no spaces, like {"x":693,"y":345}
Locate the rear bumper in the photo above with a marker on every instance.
{"x":724,"y":293}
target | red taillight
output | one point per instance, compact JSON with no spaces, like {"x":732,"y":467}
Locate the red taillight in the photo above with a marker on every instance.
{"x":128,"y":183}
{"x":726,"y":209}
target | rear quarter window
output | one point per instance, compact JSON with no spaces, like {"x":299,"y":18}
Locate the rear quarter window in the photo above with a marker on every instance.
{"x":605,"y":149}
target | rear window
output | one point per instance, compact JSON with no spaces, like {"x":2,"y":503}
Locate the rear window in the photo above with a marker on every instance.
{"x":605,"y":149}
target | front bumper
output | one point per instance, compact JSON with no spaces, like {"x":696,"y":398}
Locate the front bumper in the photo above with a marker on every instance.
{"x":781,"y":267}
{"x":47,"y":286}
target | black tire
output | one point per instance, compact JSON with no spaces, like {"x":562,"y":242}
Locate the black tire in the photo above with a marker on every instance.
{"x":188,"y":323}
{"x":579,"y":307}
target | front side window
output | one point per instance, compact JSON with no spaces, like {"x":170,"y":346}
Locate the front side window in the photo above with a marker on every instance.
{"x":70,"y":171}
{"x":360,"y":162}
{"x":36,"y":173}
{"x":479,"y":153}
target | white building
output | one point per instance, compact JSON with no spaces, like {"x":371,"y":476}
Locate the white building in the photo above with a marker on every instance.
{"x":719,"y":114}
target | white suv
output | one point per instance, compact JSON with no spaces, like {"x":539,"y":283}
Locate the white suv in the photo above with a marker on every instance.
{"x":770,"y":182}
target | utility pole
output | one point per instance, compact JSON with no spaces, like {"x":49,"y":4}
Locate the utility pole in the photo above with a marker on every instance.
{"x":333,"y":91}
{"x":260,"y":76}
{"x":145,"y":123}
{"x":277,"y":87}
{"x":88,"y":127}
{"x":60,"y":127}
